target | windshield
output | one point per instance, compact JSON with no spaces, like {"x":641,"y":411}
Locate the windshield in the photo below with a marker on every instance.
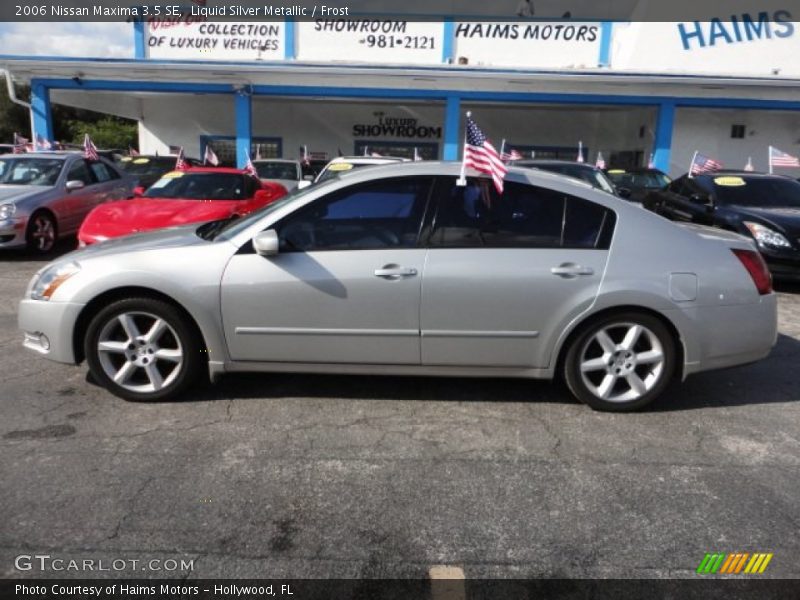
{"x":234,"y":227}
{"x":650,"y":180}
{"x":30,"y":171}
{"x":199,"y":186}
{"x":758,"y":192}
{"x":146,"y":166}
{"x":277,"y":170}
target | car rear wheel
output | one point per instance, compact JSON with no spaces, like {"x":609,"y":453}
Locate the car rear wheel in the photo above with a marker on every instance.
{"x":142,"y":349}
{"x":620,"y":363}
{"x":42,"y":232}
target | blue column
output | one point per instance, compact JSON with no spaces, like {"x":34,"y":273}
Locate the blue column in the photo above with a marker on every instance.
{"x":606,"y":33}
{"x":290,"y":30}
{"x":448,"y":39}
{"x":138,"y":40}
{"x":662,"y":146}
{"x":244,"y":121}
{"x":452,"y":129}
{"x":42,"y":114}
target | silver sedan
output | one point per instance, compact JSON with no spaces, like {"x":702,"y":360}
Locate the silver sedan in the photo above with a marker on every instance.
{"x":47,"y":195}
{"x":405,"y":270}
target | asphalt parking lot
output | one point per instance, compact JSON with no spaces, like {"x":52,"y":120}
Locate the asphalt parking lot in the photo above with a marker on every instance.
{"x":334,"y":476}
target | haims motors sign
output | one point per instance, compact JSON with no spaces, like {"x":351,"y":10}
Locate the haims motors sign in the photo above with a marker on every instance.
{"x":396,"y":127}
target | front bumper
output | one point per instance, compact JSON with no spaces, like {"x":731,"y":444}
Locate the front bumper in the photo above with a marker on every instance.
{"x":48,"y":328}
{"x":12,"y":232}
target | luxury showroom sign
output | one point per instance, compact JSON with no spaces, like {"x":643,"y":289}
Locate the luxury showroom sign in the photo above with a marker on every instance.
{"x":189,"y":39}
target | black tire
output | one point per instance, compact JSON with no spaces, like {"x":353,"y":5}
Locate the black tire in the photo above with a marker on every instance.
{"x":621,"y":365}
{"x":141,"y":358}
{"x":41,"y":234}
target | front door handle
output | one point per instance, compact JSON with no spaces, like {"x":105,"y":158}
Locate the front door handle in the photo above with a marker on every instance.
{"x":569,"y":270}
{"x":395,"y":272}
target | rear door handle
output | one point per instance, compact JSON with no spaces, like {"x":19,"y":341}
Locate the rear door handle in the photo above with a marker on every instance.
{"x":395,"y":272}
{"x":568,"y":270}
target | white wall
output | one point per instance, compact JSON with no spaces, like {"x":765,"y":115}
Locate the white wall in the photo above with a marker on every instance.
{"x":709,"y":132}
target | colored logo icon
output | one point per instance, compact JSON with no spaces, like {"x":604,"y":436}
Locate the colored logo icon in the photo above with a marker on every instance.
{"x":734,"y":564}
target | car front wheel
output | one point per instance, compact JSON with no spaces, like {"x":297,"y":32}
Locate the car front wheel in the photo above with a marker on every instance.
{"x":620,"y":363}
{"x":142,"y":349}
{"x":42,"y":232}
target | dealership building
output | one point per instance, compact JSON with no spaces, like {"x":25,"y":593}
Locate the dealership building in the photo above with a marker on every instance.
{"x":728,"y":88}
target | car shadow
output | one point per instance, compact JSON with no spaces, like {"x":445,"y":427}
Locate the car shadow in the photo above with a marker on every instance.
{"x":772,"y":380}
{"x":64,"y":246}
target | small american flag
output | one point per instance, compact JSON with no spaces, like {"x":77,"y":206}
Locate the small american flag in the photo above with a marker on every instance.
{"x":180,"y":162}
{"x":509,"y":156}
{"x":210,"y":157}
{"x":580,"y":152}
{"x":304,"y":158}
{"x":778,"y":158}
{"x":703,"y":164}
{"x":749,"y":166}
{"x":482,"y":156}
{"x":132,"y":151}
{"x":250,"y":168}
{"x":89,"y":149}
{"x":600,"y":163}
{"x":19,"y":144}
{"x":43,"y":143}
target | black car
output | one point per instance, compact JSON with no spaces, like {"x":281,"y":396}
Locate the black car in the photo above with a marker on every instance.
{"x":148,"y":169}
{"x":583,"y":171}
{"x":763,"y":207}
{"x":640,"y":181}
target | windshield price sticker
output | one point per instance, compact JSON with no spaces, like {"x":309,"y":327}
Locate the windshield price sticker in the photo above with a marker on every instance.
{"x":730,"y":181}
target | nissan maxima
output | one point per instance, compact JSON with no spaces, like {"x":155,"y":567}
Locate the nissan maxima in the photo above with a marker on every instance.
{"x":407,"y":270}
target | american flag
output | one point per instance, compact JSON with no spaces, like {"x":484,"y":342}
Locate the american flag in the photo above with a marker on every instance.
{"x":482,"y":156}
{"x":89,"y":149}
{"x":210,"y":157}
{"x":749,"y":166}
{"x":19,"y":144}
{"x":180,"y":162}
{"x":417,"y":156}
{"x":132,"y":151}
{"x":600,"y":163}
{"x":777,"y":158}
{"x":509,"y":156}
{"x":250,"y":168}
{"x":580,"y":152}
{"x":304,"y":158}
{"x":703,"y":164}
{"x":43,"y":143}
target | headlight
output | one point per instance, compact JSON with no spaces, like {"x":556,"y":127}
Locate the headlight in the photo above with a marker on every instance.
{"x":766,"y":236}
{"x":51,"y":279}
{"x":7,"y":211}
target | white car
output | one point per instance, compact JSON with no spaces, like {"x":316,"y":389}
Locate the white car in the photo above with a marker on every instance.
{"x":344,"y":164}
{"x":287,"y":172}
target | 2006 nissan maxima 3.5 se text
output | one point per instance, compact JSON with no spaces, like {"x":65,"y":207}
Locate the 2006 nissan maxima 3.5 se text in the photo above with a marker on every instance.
{"x":401,"y":270}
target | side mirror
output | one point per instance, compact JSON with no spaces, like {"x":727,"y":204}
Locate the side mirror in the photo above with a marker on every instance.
{"x":75,"y":184}
{"x":301,"y":185}
{"x":138,"y":191}
{"x":623,"y":192}
{"x":266,"y":243}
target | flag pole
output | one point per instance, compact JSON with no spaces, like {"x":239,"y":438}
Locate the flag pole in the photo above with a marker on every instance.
{"x":502,"y":147}
{"x":462,"y":179}
{"x":769,"y":158}
{"x":691,"y":164}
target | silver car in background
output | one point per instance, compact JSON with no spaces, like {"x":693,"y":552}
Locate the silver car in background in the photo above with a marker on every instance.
{"x":401,"y":270}
{"x":44,"y":196}
{"x":287,"y":172}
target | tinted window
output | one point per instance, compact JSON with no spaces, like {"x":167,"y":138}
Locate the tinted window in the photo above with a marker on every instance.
{"x":146,"y":166}
{"x":380,"y":214}
{"x":276,"y":170}
{"x":102,"y":172}
{"x":199,"y":186}
{"x":80,"y":172}
{"x":30,"y":171}
{"x":757,"y":191}
{"x":523,"y":216}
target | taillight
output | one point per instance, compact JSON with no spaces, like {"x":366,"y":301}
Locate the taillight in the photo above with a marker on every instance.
{"x":757,"y":268}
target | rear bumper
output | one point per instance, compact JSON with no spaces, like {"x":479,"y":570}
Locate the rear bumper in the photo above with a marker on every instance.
{"x":48,"y":328}
{"x":727,"y":336}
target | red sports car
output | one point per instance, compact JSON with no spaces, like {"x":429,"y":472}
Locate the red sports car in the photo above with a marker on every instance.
{"x":194,"y":195}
